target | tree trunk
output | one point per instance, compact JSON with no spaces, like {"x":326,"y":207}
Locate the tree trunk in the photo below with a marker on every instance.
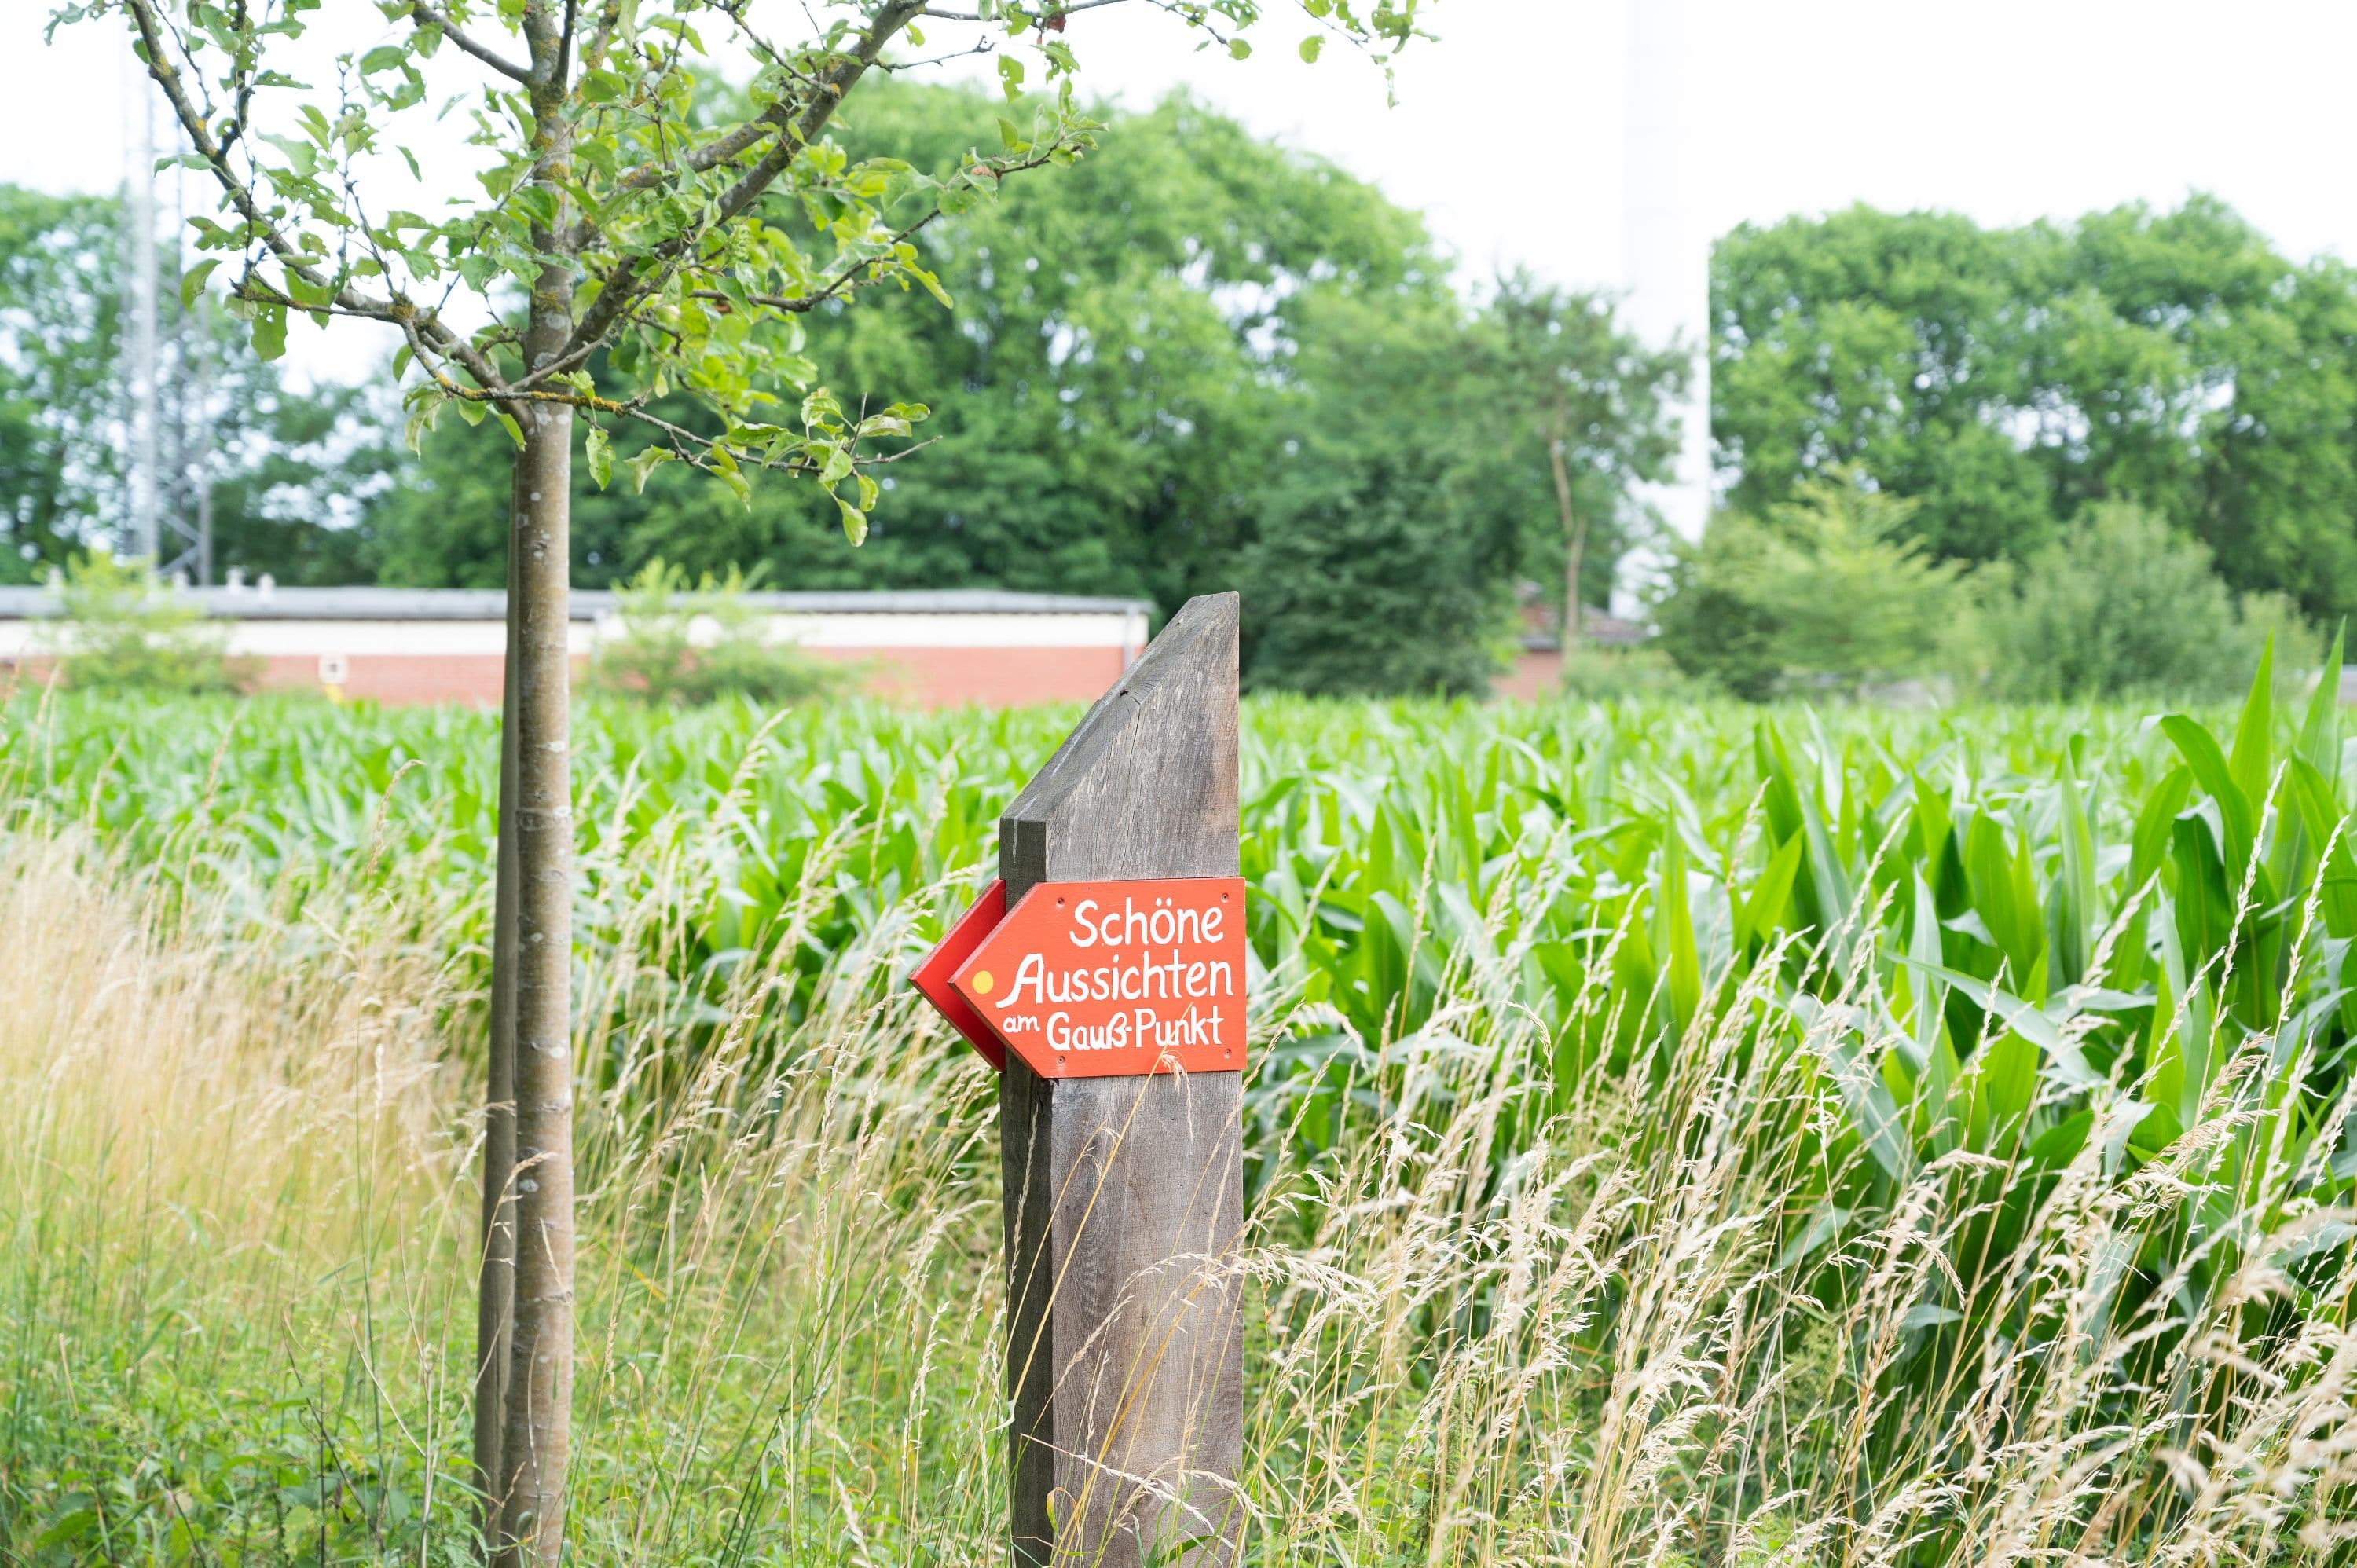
{"x":1574,"y":539}
{"x":540,"y":1388}
{"x":536,"y":1429}
{"x":495,"y":1286}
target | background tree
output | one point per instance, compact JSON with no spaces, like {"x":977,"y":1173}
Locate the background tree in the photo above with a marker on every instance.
{"x":1825,"y":590}
{"x":58,"y":304}
{"x":1589,"y":401}
{"x":292,"y":473}
{"x":2006,"y":379}
{"x":634,"y":238}
{"x":1196,"y":360}
{"x":2123,"y":606}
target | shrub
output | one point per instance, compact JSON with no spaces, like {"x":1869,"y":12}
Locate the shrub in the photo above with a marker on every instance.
{"x":1818,"y":592}
{"x":690,"y":645}
{"x":2122,"y":605}
{"x":120,"y":629}
{"x":1595,"y":674}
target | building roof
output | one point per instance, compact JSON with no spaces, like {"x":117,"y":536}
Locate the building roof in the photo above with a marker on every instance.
{"x":253,"y":603}
{"x":1595,"y":627}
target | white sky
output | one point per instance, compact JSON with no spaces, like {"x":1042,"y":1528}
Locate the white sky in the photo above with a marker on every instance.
{"x":1507,"y":133}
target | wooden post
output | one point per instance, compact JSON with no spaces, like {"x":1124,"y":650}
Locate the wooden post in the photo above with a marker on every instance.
{"x":1125,"y":1195}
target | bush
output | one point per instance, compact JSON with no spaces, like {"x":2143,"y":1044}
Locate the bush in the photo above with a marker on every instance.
{"x":691,"y":645}
{"x":1819,"y":592}
{"x":2122,"y":605}
{"x":120,"y":629}
{"x":1595,"y":674}
{"x":1370,"y":597}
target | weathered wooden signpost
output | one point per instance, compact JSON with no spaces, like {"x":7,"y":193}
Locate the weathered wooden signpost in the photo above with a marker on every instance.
{"x":1105,"y":974}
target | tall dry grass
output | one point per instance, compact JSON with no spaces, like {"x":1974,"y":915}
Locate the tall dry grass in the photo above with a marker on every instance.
{"x":235,"y":1315}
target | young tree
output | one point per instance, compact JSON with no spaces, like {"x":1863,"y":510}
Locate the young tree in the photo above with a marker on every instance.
{"x":629,"y":242}
{"x":1576,"y":385}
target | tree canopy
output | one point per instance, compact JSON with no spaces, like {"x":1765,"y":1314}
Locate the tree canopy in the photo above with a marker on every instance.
{"x":1195,"y":360}
{"x":2006,"y":379}
{"x":291,"y":472}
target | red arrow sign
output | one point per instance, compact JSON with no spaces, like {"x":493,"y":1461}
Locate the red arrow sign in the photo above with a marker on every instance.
{"x":1102,"y":978}
{"x":932,"y":976}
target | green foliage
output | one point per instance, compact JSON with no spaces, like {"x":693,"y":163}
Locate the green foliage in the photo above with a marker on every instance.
{"x":1593,"y":672}
{"x":1824,"y":591}
{"x":119,"y":629}
{"x":1952,"y":1034}
{"x":683,"y":643}
{"x":1194,"y":362}
{"x":1578,"y":408}
{"x":2121,"y":607}
{"x":2004,"y":379}
{"x":671,"y":208}
{"x":291,"y":475}
{"x":58,"y":304}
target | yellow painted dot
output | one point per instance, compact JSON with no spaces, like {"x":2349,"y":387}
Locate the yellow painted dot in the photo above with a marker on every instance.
{"x":982,"y":981}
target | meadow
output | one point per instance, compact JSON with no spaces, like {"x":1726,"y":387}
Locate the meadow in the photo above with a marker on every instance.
{"x":1678,"y":1133}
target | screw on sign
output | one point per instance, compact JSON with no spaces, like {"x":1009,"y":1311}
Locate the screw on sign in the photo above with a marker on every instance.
{"x":1102,"y":978}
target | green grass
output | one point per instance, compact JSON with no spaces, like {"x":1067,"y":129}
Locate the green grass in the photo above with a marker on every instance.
{"x":1676,"y":1130}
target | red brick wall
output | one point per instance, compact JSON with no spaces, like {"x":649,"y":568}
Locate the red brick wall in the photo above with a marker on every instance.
{"x":990,"y":677}
{"x":420,"y":678}
{"x":926,"y":677}
{"x":1536,"y":675}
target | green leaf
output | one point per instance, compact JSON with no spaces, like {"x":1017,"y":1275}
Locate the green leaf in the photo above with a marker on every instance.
{"x":507,"y":422}
{"x":855,"y":522}
{"x":2071,"y":911}
{"x":192,"y":282}
{"x":2319,"y":731}
{"x":2205,"y":898}
{"x":2023,"y":1019}
{"x":643,"y":463}
{"x":1673,"y":937}
{"x":1310,"y":47}
{"x":600,"y":449}
{"x":2152,"y":827}
{"x":301,"y":156}
{"x":724,"y":467}
{"x":2254,"y":736}
{"x":1763,"y":911}
{"x":2200,"y":750}
{"x":270,"y":331}
{"x":1239,"y":49}
{"x":384,"y":56}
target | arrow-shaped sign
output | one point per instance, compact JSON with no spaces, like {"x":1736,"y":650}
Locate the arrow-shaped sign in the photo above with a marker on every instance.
{"x":932,"y":976}
{"x":1103,"y":979}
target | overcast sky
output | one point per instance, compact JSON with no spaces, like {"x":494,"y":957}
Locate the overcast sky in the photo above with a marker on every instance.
{"x":1507,"y":133}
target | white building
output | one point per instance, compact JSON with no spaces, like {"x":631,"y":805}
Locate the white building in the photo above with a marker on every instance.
{"x":429,"y":645}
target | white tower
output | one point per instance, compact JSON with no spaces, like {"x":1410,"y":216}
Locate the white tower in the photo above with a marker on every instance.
{"x":144,"y":482}
{"x":1665,"y":251}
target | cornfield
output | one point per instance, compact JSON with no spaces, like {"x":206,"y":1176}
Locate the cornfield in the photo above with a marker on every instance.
{"x":1684,"y":1133}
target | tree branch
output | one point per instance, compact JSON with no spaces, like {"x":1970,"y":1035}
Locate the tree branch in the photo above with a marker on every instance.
{"x":344,"y":299}
{"x":540,"y":38}
{"x":422,"y":14}
{"x":724,"y":148}
{"x":1046,"y":16}
{"x":623,"y":290}
{"x":798,"y":303}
